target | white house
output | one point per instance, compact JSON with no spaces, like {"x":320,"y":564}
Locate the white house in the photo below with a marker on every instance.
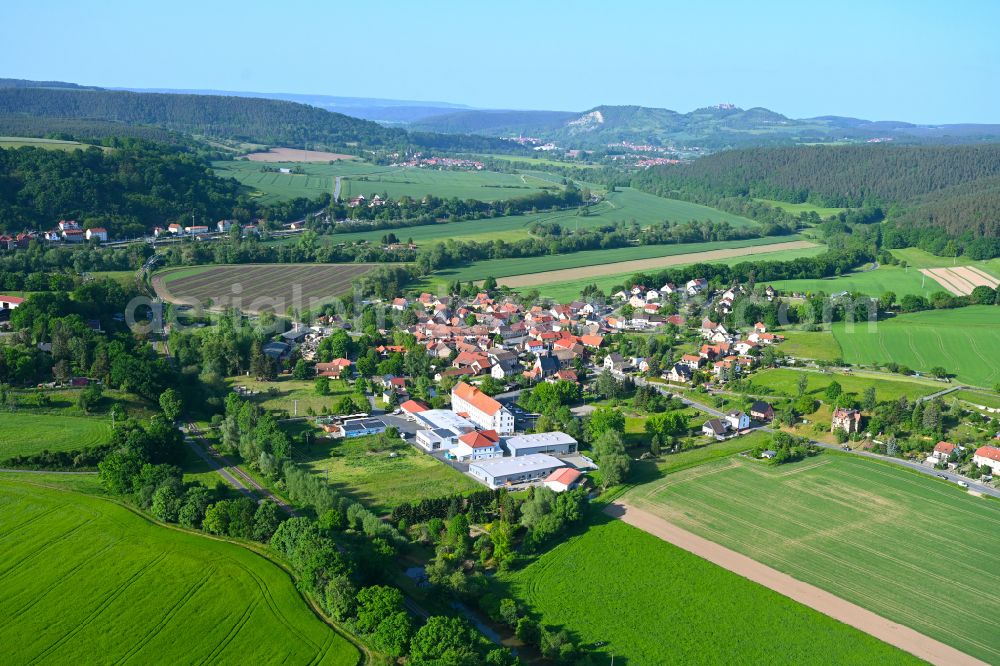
{"x":440,"y":429}
{"x":562,"y":480}
{"x":482,"y":410}
{"x":100,"y":233}
{"x":738,"y":420}
{"x":10,"y":302}
{"x":715,"y":428}
{"x":989,"y":456}
{"x":477,"y":445}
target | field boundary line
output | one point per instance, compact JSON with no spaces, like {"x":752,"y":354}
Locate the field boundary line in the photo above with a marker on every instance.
{"x":905,"y":638}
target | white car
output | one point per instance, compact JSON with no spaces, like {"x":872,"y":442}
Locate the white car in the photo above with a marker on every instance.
{"x":963,"y":484}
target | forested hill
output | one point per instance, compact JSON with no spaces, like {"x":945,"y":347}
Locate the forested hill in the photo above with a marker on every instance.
{"x":250,"y":119}
{"x":933,"y":193}
{"x":253,"y":120}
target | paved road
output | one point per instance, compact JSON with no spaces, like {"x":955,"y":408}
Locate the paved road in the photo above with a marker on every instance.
{"x":923,"y":469}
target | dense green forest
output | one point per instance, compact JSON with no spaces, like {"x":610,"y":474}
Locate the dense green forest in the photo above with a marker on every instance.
{"x":249,"y":119}
{"x":945,"y":199}
{"x":127,"y":190}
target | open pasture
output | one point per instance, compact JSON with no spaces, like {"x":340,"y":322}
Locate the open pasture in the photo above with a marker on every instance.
{"x":294,"y":396}
{"x":650,"y":602}
{"x":258,"y":287}
{"x":383,"y":474}
{"x":817,"y":345}
{"x":784,"y":381}
{"x":917,"y":258}
{"x":86,"y":580}
{"x":963,"y":341}
{"x":870,"y":533}
{"x":418,"y":182}
{"x":797,"y":208}
{"x":533,"y":271}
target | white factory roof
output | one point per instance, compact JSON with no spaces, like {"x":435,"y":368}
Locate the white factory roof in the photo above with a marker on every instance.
{"x":506,"y":466}
{"x":538,"y":439}
{"x":434,"y":419}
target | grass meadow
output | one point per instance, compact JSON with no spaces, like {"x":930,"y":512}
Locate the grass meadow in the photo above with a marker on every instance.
{"x":382,"y":476}
{"x":654,"y":603}
{"x":86,"y":580}
{"x":27,"y":433}
{"x":963,"y":341}
{"x":991,"y":400}
{"x":45,"y":144}
{"x":917,"y":258}
{"x":783,"y":381}
{"x":911,"y":548}
{"x":288,"y":395}
{"x":901,"y":281}
{"x":818,"y":345}
{"x":797,"y":208}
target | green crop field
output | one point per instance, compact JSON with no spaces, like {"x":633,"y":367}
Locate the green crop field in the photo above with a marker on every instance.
{"x":88,"y":581}
{"x":653,"y":603}
{"x":567,"y":290}
{"x":818,"y":345}
{"x":963,"y":341}
{"x":911,"y":548}
{"x":45,"y":144}
{"x":383,"y":475}
{"x":26,"y":433}
{"x":526,"y":265}
{"x":901,"y":281}
{"x":822,"y":211}
{"x":622,"y":206}
{"x":782,"y":381}
{"x":258,"y":287}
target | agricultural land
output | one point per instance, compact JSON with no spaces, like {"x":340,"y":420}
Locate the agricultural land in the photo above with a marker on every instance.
{"x":856,"y":529}
{"x":88,"y":580}
{"x":258,"y":287}
{"x":963,"y":341}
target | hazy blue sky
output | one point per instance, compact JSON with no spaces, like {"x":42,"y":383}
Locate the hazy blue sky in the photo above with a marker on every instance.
{"x":905,"y":60}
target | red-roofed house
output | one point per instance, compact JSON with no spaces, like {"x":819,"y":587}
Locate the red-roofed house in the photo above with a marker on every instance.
{"x":563,"y":479}
{"x":483,"y":410}
{"x":944,"y":450}
{"x":334,"y":368}
{"x":10,"y":302}
{"x":100,"y":233}
{"x":477,"y":445}
{"x":411,"y":407}
{"x":989,"y":456}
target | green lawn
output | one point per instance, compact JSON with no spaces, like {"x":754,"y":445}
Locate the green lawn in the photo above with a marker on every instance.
{"x":911,"y":548}
{"x":653,"y":603}
{"x":901,"y":281}
{"x":796,"y":208}
{"x":782,"y":381}
{"x":381,"y":476}
{"x":565,"y":291}
{"x":818,"y":345}
{"x":964,"y":341}
{"x":991,"y":400}
{"x":88,"y":581}
{"x":26,"y":433}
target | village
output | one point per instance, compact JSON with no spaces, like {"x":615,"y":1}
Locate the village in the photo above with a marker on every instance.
{"x":487,"y":351}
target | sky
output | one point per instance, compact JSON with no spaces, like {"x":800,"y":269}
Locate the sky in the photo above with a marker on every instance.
{"x":906,"y":60}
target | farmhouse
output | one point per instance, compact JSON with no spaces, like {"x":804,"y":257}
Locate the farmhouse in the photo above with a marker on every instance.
{"x":334,"y":368}
{"x":989,"y":456}
{"x":738,"y":420}
{"x":483,"y":410}
{"x":361,"y":427}
{"x":501,"y":472}
{"x":562,"y":480}
{"x":553,"y":443}
{"x":100,"y":233}
{"x":481,"y":445}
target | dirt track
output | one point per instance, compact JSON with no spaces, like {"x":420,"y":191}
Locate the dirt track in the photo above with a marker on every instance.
{"x":892,"y":633}
{"x":637,"y":265}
